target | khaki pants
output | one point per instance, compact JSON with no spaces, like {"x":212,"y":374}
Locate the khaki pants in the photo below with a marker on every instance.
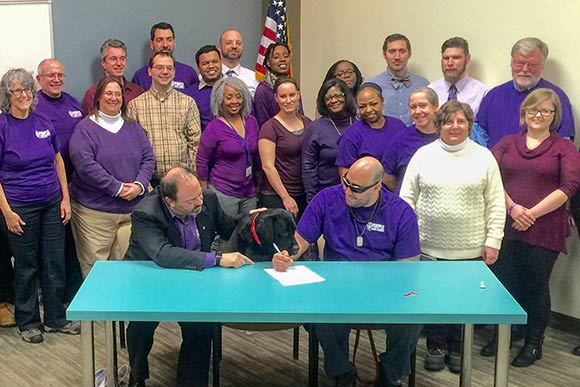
{"x":98,"y":235}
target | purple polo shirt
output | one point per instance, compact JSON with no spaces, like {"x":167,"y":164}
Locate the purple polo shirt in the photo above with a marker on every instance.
{"x":392,"y":234}
{"x":64,"y":113}
{"x":360,"y":139}
{"x":202,"y":99}
{"x":185,"y":76}
{"x":399,"y":152}
{"x":223,"y":157}
{"x":104,"y":160}
{"x":27,"y":152}
{"x":499,"y":112}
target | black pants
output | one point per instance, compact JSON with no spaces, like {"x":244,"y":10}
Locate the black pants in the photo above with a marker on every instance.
{"x":274,"y":201}
{"x":525,"y":271}
{"x":194,"y":355}
{"x":6,"y":270}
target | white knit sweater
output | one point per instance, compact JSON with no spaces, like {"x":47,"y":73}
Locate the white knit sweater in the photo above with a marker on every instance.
{"x":459,"y":200}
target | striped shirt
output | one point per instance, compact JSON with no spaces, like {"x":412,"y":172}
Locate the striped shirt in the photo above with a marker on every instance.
{"x":171,"y":124}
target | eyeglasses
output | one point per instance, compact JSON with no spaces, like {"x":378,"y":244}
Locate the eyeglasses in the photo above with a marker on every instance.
{"x":543,"y":112}
{"x":338,"y":97}
{"x":161,"y":68}
{"x":19,"y":92}
{"x":521,"y":65}
{"x":346,"y":73}
{"x":53,"y":75}
{"x":355,"y":187}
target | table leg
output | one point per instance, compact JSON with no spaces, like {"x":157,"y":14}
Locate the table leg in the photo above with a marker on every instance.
{"x":503,"y":355}
{"x":88,"y":353}
{"x":465,"y":378}
{"x":312,"y":357}
{"x":111,"y":351}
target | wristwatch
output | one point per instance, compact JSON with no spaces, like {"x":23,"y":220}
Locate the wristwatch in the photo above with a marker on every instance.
{"x":218,"y":258}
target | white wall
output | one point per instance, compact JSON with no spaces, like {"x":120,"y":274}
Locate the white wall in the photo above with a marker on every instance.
{"x":335,"y":29}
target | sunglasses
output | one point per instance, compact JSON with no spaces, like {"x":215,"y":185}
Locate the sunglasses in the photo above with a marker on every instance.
{"x":355,"y":187}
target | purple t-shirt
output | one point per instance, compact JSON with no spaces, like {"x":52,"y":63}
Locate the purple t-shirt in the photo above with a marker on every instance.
{"x":531,"y":175}
{"x":223,"y":158}
{"x":104,"y":160}
{"x":362,"y":140}
{"x":499,"y":112}
{"x":399,"y":152}
{"x":65,"y":112}
{"x":203,"y":101}
{"x":185,"y":76}
{"x":392,"y":234}
{"x":288,"y":155}
{"x":27,"y":151}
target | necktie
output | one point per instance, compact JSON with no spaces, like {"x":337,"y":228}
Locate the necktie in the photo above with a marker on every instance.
{"x":452,"y":93}
{"x":400,"y":82}
{"x":230,"y":73}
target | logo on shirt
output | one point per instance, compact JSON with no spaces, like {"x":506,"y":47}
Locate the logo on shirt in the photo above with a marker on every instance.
{"x":75,"y":114}
{"x":178,"y":85}
{"x":42,"y":133}
{"x":375,"y":227}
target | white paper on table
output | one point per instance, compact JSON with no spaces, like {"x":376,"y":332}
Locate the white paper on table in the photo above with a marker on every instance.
{"x":295,"y":275}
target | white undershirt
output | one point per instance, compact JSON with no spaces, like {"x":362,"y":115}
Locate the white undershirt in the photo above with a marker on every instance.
{"x":110,"y":123}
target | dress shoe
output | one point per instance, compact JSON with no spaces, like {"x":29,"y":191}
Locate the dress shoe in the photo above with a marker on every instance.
{"x":576,"y":351}
{"x":528,"y":355}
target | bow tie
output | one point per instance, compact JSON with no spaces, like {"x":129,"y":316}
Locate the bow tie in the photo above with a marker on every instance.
{"x":400,"y":82}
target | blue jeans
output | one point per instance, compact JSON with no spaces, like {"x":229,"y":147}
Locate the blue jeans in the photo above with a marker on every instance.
{"x":39,"y":257}
{"x":401,"y":343}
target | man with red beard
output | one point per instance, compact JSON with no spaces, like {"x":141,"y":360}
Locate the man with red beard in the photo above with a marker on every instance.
{"x":456,"y":85}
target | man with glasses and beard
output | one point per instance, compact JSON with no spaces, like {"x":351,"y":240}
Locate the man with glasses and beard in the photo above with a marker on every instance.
{"x":360,"y":221}
{"x":456,"y":85}
{"x":499,"y":112}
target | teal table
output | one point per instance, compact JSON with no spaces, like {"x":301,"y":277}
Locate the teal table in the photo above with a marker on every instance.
{"x":354,"y":292}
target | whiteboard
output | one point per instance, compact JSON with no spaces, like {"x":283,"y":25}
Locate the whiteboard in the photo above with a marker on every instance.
{"x":27,"y":28}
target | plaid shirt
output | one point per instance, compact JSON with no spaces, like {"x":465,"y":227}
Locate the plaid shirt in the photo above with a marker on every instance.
{"x":171,"y":124}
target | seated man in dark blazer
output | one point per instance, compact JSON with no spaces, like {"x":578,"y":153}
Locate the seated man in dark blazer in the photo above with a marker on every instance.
{"x":175,"y":226}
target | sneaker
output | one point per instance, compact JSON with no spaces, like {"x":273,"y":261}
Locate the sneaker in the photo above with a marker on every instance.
{"x":435,"y":359}
{"x":70,"y":328}
{"x":6,"y":316}
{"x":33,"y":335}
{"x":453,"y":360}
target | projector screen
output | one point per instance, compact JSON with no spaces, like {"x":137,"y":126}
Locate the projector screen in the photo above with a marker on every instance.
{"x":27,"y":28}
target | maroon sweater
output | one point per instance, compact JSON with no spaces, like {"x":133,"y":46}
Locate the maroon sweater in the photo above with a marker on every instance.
{"x":531,"y":175}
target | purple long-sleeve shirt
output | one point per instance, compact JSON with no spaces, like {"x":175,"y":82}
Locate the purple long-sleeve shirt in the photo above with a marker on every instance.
{"x":531,"y":175}
{"x":27,"y":151}
{"x":64,"y":112}
{"x":223,"y":157}
{"x":319,"y":150}
{"x":103,"y":161}
{"x":185,"y":76}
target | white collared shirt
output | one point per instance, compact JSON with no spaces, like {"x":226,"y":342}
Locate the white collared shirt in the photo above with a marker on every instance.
{"x":245,"y":74}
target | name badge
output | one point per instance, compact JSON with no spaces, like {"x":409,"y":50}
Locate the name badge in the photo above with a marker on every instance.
{"x":248,"y":171}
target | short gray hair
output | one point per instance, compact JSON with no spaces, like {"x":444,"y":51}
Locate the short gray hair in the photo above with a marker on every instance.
{"x":22,"y":76}
{"x":217,"y":96}
{"x":111,"y":43}
{"x":527,"y":45}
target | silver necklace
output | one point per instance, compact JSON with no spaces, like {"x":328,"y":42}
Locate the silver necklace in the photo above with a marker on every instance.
{"x":333,"y":124}
{"x":359,"y":238}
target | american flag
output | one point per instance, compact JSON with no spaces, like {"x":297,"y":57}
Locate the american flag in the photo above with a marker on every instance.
{"x":275,"y":31}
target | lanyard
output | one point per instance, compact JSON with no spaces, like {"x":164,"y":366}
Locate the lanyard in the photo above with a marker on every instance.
{"x":244,"y":140}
